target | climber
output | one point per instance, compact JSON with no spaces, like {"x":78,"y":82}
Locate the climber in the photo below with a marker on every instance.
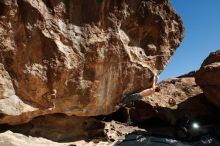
{"x":144,"y":93}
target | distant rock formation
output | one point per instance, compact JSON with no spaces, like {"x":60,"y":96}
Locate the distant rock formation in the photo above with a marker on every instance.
{"x":177,"y":98}
{"x":208,"y":77}
{"x":79,"y":57}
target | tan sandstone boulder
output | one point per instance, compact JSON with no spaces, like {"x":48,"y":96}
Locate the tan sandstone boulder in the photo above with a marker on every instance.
{"x":78,"y":57}
{"x":208,"y":77}
{"x":177,"y":98}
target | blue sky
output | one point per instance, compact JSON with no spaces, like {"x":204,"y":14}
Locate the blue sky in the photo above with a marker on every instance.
{"x":201,"y":19}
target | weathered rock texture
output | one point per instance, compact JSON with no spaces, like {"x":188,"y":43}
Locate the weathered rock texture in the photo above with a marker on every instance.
{"x":208,"y":77}
{"x":172,"y":92}
{"x":79,"y":57}
{"x":59,"y":129}
{"x":9,"y":138}
{"x":178,"y":97}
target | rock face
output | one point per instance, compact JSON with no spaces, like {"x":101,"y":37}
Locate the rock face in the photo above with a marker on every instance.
{"x":177,"y":98}
{"x":62,"y":130}
{"x":208,"y":77}
{"x":173,"y":91}
{"x":79,"y":57}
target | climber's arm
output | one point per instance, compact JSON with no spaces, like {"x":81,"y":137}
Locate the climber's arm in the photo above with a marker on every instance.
{"x":140,"y":95}
{"x":147,"y":92}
